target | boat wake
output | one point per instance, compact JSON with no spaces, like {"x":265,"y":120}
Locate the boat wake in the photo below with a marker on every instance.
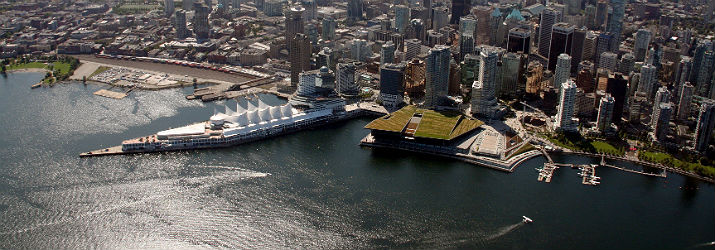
{"x":706,"y":244}
{"x":504,"y":230}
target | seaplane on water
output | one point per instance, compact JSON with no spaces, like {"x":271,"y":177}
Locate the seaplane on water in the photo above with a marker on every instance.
{"x":527,"y":219}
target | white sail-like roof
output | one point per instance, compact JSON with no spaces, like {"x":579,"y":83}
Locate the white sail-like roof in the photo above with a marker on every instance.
{"x":261,"y":104}
{"x":242,"y":120}
{"x":276,"y":113}
{"x":240,"y":109}
{"x":253,"y":117}
{"x":249,"y":106}
{"x":287,"y":110}
{"x":229,"y":111}
{"x":265,"y":114}
{"x":218,"y":118}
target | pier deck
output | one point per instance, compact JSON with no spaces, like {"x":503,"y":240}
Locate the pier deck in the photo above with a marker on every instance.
{"x":110,"y":94}
{"x":116,"y":150}
{"x":546,"y":173}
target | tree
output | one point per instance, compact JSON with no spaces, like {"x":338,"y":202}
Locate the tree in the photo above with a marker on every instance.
{"x":4,"y":68}
{"x":84,"y":79}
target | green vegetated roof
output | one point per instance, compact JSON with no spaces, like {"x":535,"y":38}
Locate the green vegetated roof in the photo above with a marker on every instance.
{"x":434,"y":124}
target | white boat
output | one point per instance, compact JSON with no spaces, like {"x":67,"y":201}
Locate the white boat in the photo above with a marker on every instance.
{"x":527,"y":219}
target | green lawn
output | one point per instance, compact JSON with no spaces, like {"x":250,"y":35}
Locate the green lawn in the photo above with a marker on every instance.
{"x":394,"y":122}
{"x":604,"y":147}
{"x":669,"y":160}
{"x":31,"y":65}
{"x":578,"y":143}
{"x":64,"y":68}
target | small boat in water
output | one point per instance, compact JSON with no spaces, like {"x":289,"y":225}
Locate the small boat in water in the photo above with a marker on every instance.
{"x":527,"y":219}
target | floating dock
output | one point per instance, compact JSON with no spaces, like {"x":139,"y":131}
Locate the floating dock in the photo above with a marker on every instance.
{"x":110,"y":94}
{"x":588,"y":175}
{"x":547,"y":172}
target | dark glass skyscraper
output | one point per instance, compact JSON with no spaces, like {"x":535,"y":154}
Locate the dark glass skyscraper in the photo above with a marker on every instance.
{"x":561,"y":39}
{"x":460,"y":8}
{"x":519,"y":40}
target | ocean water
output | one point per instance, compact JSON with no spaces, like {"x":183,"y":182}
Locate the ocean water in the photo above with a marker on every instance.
{"x":315,"y":189}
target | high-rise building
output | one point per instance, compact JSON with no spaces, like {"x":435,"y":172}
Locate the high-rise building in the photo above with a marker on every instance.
{"x":299,"y":55}
{"x":413,"y":47}
{"x":355,"y":8}
{"x":437,"y":75}
{"x":316,"y":82}
{"x":273,"y":7}
{"x":180,"y":24}
{"x":565,"y":110}
{"x":685,"y":100}
{"x":561,"y":39}
{"x":460,"y":8}
{"x":236,"y":4}
{"x":627,"y":63}
{"x":345,"y":79}
{"x":699,"y":55}
{"x":602,"y":45}
{"x":642,"y":41}
{"x":201,"y":21}
{"x":259,"y":4}
{"x":615,"y":23}
{"x":484,"y":102}
{"x":617,"y":86}
{"x":392,"y":78}
{"x":387,"y":53}
{"x":585,"y":80}
{"x":512,"y":72}
{"x":467,"y":25}
{"x":682,"y":73}
{"x":168,"y":7}
{"x":605,"y":113}
{"x":579,"y":38}
{"x":466,"y":45}
{"x":325,"y":58}
{"x":601,"y":13}
{"x":294,"y":24}
{"x":415,"y":78}
{"x":648,"y":80}
{"x":661,"y":119}
{"x":562,"y":72}
{"x":591,"y":17}
{"x":573,"y":7}
{"x":589,"y":47}
{"x":329,"y":25}
{"x":661,"y":96}
{"x":608,"y":60}
{"x":187,"y":5}
{"x":519,"y":40}
{"x":705,"y":73}
{"x":549,"y":17}
{"x":359,"y":50}
{"x":483,"y":28}
{"x":705,"y":124}
{"x":402,"y":18}
{"x":440,"y":17}
{"x":417,"y":30}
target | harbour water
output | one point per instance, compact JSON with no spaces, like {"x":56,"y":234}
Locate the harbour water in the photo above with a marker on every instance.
{"x":312,"y":189}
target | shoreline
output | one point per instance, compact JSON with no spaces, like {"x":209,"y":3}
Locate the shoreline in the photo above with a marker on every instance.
{"x":642,"y":163}
{"x":28,"y":70}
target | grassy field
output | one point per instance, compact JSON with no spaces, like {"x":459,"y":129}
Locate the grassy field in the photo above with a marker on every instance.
{"x":394,"y":122}
{"x":32,"y":65}
{"x":438,"y":125}
{"x":98,"y":71}
{"x":578,"y":143}
{"x":669,"y":160}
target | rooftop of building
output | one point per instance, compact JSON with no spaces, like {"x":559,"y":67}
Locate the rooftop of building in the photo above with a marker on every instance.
{"x":425,"y":123}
